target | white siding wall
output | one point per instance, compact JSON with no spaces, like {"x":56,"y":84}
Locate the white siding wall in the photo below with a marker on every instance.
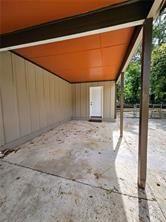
{"x":80,"y":100}
{"x":31,"y":98}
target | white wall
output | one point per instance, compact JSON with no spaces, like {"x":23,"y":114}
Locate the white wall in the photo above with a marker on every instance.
{"x":31,"y":99}
{"x":80,"y":100}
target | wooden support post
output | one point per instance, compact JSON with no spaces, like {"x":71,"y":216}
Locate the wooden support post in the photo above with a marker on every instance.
{"x":121,"y":103}
{"x":144,"y":103}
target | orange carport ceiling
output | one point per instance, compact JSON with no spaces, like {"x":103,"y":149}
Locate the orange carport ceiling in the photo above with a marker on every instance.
{"x":19,"y":14}
{"x":92,"y":58}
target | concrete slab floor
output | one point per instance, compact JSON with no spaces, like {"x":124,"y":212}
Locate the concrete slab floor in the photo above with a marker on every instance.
{"x":82,"y":171}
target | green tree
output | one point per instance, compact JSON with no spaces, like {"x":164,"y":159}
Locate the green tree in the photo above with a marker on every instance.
{"x":159,"y":30}
{"x":158,"y":68}
{"x":158,"y":75}
{"x":132,"y":83}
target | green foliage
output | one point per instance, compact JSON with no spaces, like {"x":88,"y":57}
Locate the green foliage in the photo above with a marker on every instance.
{"x":159,"y":30}
{"x":158,"y":68}
{"x":132,"y":83}
{"x":158,"y":75}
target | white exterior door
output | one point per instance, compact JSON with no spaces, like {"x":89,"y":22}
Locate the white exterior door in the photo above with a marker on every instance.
{"x":96,"y":101}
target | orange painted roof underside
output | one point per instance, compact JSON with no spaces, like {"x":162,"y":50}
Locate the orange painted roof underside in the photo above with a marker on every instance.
{"x":19,"y":14}
{"x":91,"y":58}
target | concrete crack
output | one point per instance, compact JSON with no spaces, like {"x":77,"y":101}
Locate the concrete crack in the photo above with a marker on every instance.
{"x":77,"y":181}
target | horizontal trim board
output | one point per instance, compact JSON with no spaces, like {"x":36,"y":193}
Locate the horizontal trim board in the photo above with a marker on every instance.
{"x":71,"y":27}
{"x":93,"y":81}
{"x":74,"y":36}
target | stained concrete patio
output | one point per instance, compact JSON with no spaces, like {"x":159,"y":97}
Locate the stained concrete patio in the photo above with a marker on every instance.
{"x":82,"y":171}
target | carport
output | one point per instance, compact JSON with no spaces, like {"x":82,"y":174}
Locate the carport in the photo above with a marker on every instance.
{"x":49,"y":61}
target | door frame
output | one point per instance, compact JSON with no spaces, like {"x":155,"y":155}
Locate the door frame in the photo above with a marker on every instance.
{"x":101,"y":99}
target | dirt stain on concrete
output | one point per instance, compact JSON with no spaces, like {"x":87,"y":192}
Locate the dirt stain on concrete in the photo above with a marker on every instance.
{"x":68,"y":165}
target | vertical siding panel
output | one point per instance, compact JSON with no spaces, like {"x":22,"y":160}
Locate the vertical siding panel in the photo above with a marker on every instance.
{"x":104,"y":100}
{"x":73,"y":101}
{"x":9,"y":99}
{"x":46,"y":98}
{"x":60,"y":100}
{"x":78,"y":96}
{"x":64,"y":100}
{"x":76,"y":100}
{"x":83,"y":101}
{"x":22,"y":95}
{"x":79,"y":101}
{"x":112,"y":105}
{"x":34,"y":106}
{"x":68,"y":90}
{"x":56,"y":99}
{"x":68,"y":93}
{"x":108,"y":99}
{"x":2,"y":139}
{"x":70,"y":100}
{"x":88,"y":98}
{"x":52,"y":120}
{"x":40,"y":93}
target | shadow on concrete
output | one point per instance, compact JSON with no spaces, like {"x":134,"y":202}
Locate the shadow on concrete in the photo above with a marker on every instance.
{"x":118,"y":145}
{"x":143,"y":213}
